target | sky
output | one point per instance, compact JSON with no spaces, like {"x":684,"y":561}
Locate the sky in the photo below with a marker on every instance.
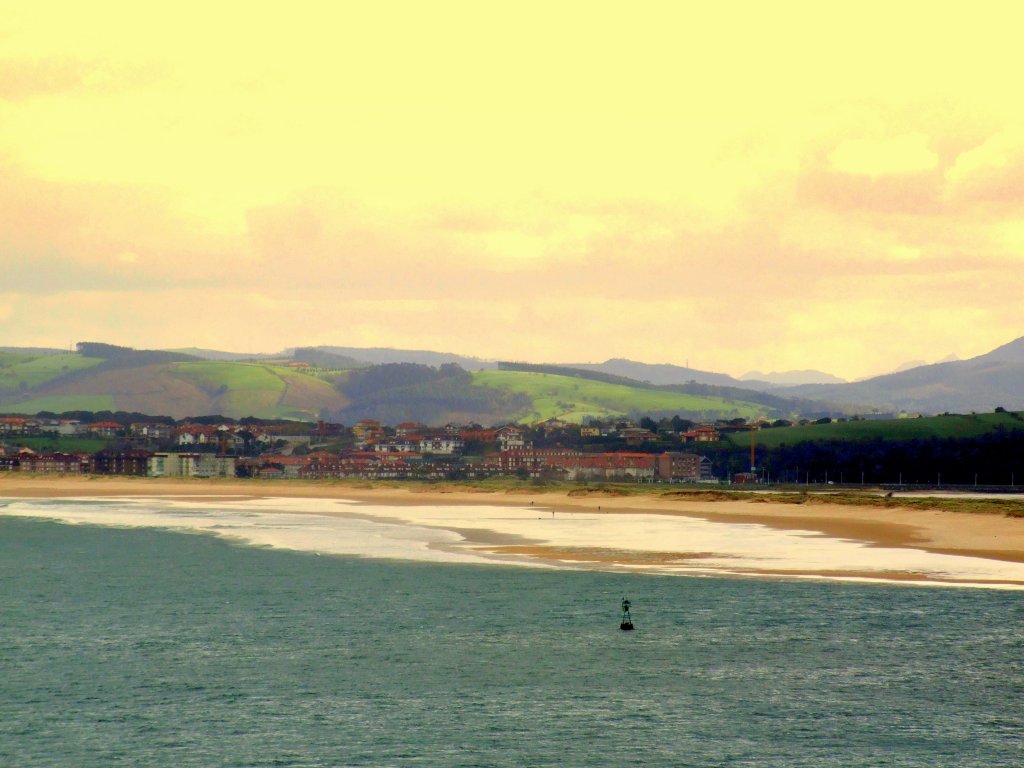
{"x":749,"y":186}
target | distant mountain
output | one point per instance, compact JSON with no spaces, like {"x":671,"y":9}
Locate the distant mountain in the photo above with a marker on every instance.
{"x":981,"y":383}
{"x":950,"y":358}
{"x":792,"y":378}
{"x":661,"y":374}
{"x":38,"y":351}
{"x":214,"y":354}
{"x":907,"y":366}
{"x":384,"y":355}
{"x":1013,"y":352}
{"x":311,"y":382}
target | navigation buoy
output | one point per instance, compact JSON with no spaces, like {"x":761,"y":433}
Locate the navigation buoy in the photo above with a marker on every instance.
{"x":627,"y":621}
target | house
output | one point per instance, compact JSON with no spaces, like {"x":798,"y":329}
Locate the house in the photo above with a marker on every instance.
{"x":290,"y":466}
{"x":68,"y":427}
{"x":619,"y":466}
{"x":407,"y":428}
{"x":106,"y":429}
{"x":363,"y":430}
{"x":511,"y":438}
{"x":196,"y":434}
{"x":151,"y":431}
{"x":17,"y":425}
{"x":443,"y":445}
{"x":536,"y":461}
{"x":702,"y":434}
{"x":637,"y":435}
{"x":397,"y":445}
{"x":552,"y":425}
{"x":479,"y":435}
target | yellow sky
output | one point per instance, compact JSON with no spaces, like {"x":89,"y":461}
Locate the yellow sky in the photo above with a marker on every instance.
{"x":749,"y":186}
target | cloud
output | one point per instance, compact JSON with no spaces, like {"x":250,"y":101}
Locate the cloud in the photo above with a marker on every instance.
{"x":24,"y":79}
{"x":990,"y":172}
{"x":633,"y":187}
{"x":909,"y":153}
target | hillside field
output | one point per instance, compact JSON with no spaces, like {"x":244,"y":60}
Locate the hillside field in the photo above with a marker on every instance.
{"x":575,"y":399}
{"x":25,"y":372}
{"x":63,"y":403}
{"x":954,"y":425}
{"x":30,"y":383}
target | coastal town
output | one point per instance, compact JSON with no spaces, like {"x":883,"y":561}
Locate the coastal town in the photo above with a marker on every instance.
{"x":618,"y":450}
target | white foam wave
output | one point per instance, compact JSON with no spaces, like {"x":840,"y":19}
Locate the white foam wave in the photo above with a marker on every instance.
{"x":438,"y":534}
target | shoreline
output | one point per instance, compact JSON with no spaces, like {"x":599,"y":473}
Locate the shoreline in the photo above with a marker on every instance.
{"x":994,"y":537}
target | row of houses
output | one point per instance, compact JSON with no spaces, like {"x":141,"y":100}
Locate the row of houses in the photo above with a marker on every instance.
{"x":553,"y":463}
{"x":137,"y":463}
{"x":367,"y":434}
{"x":184,"y":434}
{"x":568,"y":464}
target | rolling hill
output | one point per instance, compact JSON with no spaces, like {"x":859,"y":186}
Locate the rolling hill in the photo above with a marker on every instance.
{"x":179,"y":384}
{"x":575,"y":399}
{"x":178,"y":387}
{"x":432,"y":387}
{"x":981,"y":383}
{"x":953,"y":425}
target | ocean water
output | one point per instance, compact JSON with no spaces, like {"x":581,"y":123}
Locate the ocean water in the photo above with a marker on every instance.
{"x":144,"y":647}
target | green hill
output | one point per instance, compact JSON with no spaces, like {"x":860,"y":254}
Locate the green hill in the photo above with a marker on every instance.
{"x":174,"y":384}
{"x":953,"y":425}
{"x":20,"y":372}
{"x":575,"y":399}
{"x":141,"y":382}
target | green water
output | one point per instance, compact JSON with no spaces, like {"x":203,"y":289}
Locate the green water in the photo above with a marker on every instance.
{"x":152,"y":648}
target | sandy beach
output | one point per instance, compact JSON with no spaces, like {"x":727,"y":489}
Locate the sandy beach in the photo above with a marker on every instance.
{"x":748,"y":536}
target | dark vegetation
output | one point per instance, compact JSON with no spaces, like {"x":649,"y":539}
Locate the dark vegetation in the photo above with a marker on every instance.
{"x":579,"y":373}
{"x":126,"y":357}
{"x":412,"y":392}
{"x":996,"y":458}
{"x":321,"y":358}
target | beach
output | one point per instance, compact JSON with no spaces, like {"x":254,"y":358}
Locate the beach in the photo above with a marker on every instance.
{"x":655,"y":533}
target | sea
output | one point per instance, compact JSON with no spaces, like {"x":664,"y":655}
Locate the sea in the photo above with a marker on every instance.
{"x":140,"y":646}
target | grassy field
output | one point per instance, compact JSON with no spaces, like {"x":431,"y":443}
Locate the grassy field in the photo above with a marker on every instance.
{"x":236,"y":388}
{"x":212,"y":375}
{"x":19,"y":371}
{"x":574,"y":399}
{"x":256,"y":389}
{"x":954,"y":425}
{"x":62,"y":403}
{"x":62,"y":444}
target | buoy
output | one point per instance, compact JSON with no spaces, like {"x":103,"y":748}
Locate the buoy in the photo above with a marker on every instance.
{"x":627,"y":621}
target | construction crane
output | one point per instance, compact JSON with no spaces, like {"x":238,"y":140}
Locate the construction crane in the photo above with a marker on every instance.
{"x":753,"y":447}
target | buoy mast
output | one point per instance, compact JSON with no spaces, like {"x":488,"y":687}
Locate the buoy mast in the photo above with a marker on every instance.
{"x":627,"y":621}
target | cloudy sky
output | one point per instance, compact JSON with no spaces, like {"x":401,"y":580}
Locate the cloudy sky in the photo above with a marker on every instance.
{"x":755,"y":186}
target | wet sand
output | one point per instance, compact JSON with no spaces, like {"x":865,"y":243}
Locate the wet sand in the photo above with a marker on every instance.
{"x":991,"y":536}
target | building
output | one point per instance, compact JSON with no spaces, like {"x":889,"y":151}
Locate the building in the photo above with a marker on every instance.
{"x":674,"y":466}
{"x":702,"y":434}
{"x":17,"y":425}
{"x":409,"y":428}
{"x":156,"y":432}
{"x":53,"y":463}
{"x":106,"y":429}
{"x":111,"y":462}
{"x":511,"y":438}
{"x":190,"y":465}
{"x":442,"y":445}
